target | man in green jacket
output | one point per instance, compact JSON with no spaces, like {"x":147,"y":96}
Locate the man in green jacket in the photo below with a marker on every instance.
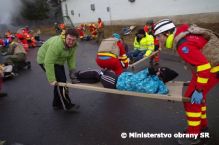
{"x":52,"y":56}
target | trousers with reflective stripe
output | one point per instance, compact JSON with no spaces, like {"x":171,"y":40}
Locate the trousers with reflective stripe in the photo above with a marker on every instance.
{"x":111,"y":63}
{"x":195,"y":113}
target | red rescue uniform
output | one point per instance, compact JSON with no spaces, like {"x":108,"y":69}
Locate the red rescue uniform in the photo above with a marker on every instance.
{"x":113,"y":62}
{"x":204,"y":77}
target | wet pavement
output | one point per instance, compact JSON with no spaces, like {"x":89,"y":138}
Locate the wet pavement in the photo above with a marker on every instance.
{"x":27,"y":117}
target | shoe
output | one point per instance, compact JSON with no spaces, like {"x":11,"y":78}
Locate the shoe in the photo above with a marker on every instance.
{"x":189,"y":141}
{"x":57,"y":107}
{"x":28,"y":65}
{"x":73,"y":108}
{"x":3,"y":94}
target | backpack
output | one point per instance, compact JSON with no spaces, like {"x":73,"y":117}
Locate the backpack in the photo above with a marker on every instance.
{"x":109,"y":45}
{"x":211,"y":48}
{"x":89,"y":76}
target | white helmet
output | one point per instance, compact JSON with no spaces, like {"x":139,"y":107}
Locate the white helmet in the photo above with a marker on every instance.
{"x":162,"y":26}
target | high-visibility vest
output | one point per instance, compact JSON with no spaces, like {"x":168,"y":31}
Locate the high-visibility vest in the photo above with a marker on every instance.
{"x":145,"y":43}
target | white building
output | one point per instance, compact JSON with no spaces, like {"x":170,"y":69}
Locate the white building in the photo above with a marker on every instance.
{"x":138,"y":11}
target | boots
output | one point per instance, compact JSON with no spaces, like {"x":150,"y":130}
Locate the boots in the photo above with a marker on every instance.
{"x":28,"y":64}
{"x":62,"y":100}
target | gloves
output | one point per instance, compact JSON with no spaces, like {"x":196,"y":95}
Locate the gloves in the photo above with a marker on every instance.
{"x":72,"y":74}
{"x":197,"y":97}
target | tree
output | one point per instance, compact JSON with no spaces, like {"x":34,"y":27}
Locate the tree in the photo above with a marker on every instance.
{"x":56,"y":10}
{"x":35,"y":10}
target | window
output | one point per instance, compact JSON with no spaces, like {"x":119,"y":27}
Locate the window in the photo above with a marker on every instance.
{"x":72,"y":12}
{"x":92,"y":6}
{"x":107,"y":9}
{"x":131,"y":1}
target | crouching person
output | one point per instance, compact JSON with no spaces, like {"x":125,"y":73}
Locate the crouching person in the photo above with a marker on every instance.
{"x":51,"y":57}
{"x":111,"y":54}
{"x":16,"y":55}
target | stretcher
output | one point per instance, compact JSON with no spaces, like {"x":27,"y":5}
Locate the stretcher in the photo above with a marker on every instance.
{"x":175,"y":91}
{"x":141,"y":62}
{"x":128,"y":30}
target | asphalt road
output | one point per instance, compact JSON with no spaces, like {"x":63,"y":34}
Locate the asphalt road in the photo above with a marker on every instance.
{"x":27,"y":117}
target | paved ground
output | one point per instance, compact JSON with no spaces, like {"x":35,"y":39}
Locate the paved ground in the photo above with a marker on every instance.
{"x":26,"y":115}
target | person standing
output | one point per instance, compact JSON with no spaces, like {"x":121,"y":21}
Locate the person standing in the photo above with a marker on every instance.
{"x":149,"y":28}
{"x":52,"y":56}
{"x":192,"y":48}
{"x":100,"y":30}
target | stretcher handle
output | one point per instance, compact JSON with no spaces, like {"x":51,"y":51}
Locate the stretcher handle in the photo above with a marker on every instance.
{"x":132,"y":66}
{"x":128,"y":93}
{"x":184,"y":99}
{"x":186,"y":83}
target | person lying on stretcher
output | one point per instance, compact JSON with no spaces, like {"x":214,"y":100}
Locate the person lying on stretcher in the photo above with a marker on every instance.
{"x":150,"y":80}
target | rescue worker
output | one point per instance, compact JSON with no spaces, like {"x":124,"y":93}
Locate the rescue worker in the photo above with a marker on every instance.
{"x":143,"y":46}
{"x":16,"y":55}
{"x":52,"y":56}
{"x":23,"y":41}
{"x":81,"y":31}
{"x":62,"y":26}
{"x":100,"y":30}
{"x":56,"y":26}
{"x":93,"y":30}
{"x":28,"y":36}
{"x":205,"y":75}
{"x":111,"y":55}
{"x":149,"y":28}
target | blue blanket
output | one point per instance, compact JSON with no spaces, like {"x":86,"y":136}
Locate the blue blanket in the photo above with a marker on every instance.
{"x":141,"y":82}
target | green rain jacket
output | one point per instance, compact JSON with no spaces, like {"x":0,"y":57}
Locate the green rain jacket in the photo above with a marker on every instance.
{"x":52,"y":52}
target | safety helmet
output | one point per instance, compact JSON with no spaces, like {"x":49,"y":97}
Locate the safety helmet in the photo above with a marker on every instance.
{"x":162,"y":26}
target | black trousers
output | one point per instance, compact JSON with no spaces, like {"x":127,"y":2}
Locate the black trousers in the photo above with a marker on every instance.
{"x":61,"y":94}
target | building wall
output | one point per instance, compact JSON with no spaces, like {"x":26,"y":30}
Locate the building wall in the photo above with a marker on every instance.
{"x":125,"y":12}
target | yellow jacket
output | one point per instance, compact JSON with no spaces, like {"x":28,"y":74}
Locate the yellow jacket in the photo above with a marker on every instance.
{"x":145,"y":44}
